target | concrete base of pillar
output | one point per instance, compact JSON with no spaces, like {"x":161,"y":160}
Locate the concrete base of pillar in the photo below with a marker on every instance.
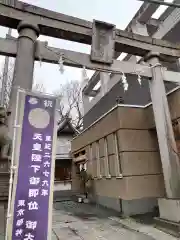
{"x":169,"y":209}
{"x":169,"y":227}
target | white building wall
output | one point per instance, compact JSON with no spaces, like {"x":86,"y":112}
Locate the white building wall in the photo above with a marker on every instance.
{"x":63,"y":147}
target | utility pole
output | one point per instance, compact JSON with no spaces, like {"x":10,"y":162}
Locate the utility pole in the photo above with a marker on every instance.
{"x":175,"y":5}
{"x":5,"y":74}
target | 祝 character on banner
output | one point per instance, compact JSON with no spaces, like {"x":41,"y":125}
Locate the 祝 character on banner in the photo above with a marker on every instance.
{"x":48,"y":103}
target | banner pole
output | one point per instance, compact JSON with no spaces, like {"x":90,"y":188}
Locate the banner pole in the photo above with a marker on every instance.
{"x":13,"y":167}
{"x":50,"y":227}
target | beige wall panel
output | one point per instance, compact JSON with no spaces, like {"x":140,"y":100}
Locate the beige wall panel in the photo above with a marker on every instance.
{"x":104,"y":127}
{"x":131,"y":187}
{"x":144,"y":186}
{"x":137,"y":140}
{"x":101,"y":148}
{"x":140,"y":163}
{"x":112,"y":165}
{"x":132,"y":118}
{"x":110,"y":187}
{"x":108,"y":124}
{"x":149,"y":116}
{"x":111,"y":144}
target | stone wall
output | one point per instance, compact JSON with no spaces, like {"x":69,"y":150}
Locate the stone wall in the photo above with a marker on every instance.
{"x":127,"y":136}
{"x":102,"y":128}
{"x":123,"y":158}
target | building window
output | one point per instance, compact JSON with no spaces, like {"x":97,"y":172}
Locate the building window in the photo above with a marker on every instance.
{"x":62,"y":173}
{"x":62,"y":170}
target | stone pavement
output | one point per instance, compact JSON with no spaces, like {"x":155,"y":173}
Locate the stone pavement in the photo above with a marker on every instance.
{"x":77,"y":221}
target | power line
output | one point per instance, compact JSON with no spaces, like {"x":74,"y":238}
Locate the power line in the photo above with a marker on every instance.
{"x":175,"y":5}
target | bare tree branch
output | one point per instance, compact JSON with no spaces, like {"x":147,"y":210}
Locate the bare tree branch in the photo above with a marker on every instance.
{"x":70,"y":102}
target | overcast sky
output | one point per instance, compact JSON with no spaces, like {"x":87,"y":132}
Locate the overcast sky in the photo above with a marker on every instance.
{"x":118,"y":12}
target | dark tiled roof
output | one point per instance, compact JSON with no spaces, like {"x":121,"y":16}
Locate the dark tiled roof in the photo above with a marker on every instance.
{"x":65,"y":126}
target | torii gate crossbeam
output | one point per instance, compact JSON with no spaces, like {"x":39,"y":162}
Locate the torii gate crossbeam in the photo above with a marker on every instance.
{"x":8,"y":47}
{"x":58,"y":25}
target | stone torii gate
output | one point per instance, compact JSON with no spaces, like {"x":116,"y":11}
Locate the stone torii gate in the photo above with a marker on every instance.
{"x":105,"y":39}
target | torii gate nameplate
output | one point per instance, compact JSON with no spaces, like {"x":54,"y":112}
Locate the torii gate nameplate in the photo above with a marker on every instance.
{"x":103,"y":40}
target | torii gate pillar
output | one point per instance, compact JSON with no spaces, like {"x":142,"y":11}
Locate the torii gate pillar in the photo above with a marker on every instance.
{"x":24,"y":65}
{"x":167,"y":145}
